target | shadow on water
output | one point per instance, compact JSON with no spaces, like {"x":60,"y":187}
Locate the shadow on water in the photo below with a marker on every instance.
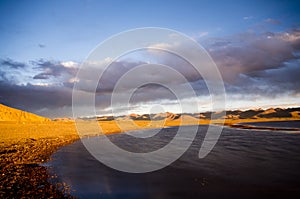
{"x":243,"y":164}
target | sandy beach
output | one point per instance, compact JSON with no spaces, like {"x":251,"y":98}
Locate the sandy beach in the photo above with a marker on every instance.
{"x":23,"y":148}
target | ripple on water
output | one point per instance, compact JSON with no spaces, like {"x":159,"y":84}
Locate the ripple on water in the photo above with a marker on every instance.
{"x":243,"y":164}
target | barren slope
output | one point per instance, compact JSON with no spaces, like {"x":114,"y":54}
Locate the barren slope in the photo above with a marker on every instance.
{"x":14,"y":115}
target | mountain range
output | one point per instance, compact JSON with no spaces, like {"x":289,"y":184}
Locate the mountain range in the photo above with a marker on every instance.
{"x":15,"y":115}
{"x":234,"y":115}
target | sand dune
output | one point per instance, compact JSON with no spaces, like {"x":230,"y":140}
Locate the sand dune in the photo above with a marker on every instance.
{"x":167,"y":116}
{"x":295,"y":114}
{"x":268,"y":111}
{"x":14,"y":115}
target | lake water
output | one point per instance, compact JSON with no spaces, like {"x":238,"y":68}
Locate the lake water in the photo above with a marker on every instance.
{"x":278,"y":124}
{"x":243,"y":164}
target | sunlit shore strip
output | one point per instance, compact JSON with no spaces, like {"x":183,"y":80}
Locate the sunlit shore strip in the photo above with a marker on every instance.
{"x":57,"y":133}
{"x":24,"y":146}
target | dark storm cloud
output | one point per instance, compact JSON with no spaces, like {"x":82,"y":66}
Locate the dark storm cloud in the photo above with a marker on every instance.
{"x":12,"y":64}
{"x":119,"y":69}
{"x":41,"y":76}
{"x":52,"y":69}
{"x":43,"y":91}
{"x":33,"y":98}
{"x":172,"y":65}
{"x":144,"y":93}
{"x":3,"y":76}
{"x":263,"y":64}
{"x":89,"y":76}
{"x":150,"y":73}
{"x":113,"y":73}
{"x":266,"y":64}
{"x":249,"y":53}
{"x":281,"y":80}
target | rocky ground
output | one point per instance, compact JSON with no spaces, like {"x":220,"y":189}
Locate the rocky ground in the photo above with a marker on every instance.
{"x":21,"y":175}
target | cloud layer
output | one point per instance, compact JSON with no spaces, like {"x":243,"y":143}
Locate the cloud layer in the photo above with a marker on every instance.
{"x":264,"y":65}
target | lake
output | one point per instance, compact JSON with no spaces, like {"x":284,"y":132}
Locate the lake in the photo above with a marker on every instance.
{"x":278,"y":124}
{"x":243,"y":164}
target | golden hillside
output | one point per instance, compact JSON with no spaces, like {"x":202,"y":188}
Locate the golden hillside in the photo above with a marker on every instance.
{"x":14,"y":115}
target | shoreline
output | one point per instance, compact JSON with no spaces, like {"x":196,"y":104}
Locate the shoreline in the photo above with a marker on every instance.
{"x":25,"y":146}
{"x":21,"y":156}
{"x":252,"y":126}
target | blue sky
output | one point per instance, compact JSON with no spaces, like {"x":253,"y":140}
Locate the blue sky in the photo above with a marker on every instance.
{"x":70,"y":29}
{"x":63,"y":33}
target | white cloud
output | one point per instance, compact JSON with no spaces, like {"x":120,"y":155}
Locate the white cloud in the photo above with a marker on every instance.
{"x":42,"y":84}
{"x":161,"y":46}
{"x":70,"y":64}
{"x":202,"y":34}
{"x":248,"y":17}
{"x":73,"y":80}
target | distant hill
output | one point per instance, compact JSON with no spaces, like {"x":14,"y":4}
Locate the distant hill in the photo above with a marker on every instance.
{"x":9,"y":114}
{"x":269,"y":113}
{"x":167,"y":115}
{"x":234,"y":115}
{"x":63,"y":119}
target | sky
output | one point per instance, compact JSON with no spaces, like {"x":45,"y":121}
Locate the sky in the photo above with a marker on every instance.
{"x":255,"y":45}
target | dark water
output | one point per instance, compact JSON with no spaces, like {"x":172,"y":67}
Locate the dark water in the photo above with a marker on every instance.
{"x":243,"y":164}
{"x":278,"y":124}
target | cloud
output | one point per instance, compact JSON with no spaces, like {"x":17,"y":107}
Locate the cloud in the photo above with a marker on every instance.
{"x":272,"y":21}
{"x":247,"y":53}
{"x":54,"y":69}
{"x":70,"y":64}
{"x":202,"y":34}
{"x":282,"y":80}
{"x":33,"y":97}
{"x":257,"y":65}
{"x":12,"y":64}
{"x":253,"y":65}
{"x":42,"y":45}
{"x":41,"y":76}
{"x":10,"y":70}
{"x":37,"y":86}
{"x":248,"y":17}
{"x":3,"y":76}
